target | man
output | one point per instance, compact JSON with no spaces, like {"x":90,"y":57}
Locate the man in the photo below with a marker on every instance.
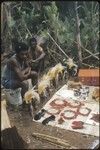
{"x":17,"y":70}
{"x":36,"y":55}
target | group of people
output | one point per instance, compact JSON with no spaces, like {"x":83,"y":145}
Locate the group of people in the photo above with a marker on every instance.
{"x":25,"y":64}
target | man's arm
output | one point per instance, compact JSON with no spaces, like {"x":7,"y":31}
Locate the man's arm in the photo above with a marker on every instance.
{"x":40,"y":53}
{"x":22,"y":75}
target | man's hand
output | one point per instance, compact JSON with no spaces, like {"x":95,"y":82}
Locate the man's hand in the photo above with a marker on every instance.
{"x":29,"y":70}
{"x":28,"y":73}
{"x":26,"y":70}
{"x":34,"y":61}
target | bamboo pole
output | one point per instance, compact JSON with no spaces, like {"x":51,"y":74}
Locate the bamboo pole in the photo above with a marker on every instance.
{"x":90,"y":56}
{"x":52,"y":139}
{"x":78,"y":38}
{"x":89,"y":65}
{"x":58,"y":45}
{"x":87,"y":51}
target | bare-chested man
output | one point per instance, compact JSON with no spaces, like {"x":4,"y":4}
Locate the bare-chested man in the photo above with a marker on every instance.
{"x":17,"y":70}
{"x":36,"y":55}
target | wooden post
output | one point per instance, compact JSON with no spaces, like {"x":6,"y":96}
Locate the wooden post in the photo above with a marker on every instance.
{"x":5,"y":122}
{"x":58,"y":46}
{"x":10,"y":138}
{"x":78,"y":35}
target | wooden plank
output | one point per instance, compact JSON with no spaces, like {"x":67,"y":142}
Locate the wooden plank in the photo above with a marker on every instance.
{"x":88,"y":73}
{"x":10,"y":138}
{"x":5,"y":122}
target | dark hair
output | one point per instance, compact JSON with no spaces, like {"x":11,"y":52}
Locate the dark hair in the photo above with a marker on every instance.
{"x":21,"y":47}
{"x":33,"y":39}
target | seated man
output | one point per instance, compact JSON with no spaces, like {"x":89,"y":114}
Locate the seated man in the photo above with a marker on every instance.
{"x":36,"y":55}
{"x":17,"y":70}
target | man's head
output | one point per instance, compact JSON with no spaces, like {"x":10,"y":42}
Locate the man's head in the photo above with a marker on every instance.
{"x":33,"y":42}
{"x":21,"y":50}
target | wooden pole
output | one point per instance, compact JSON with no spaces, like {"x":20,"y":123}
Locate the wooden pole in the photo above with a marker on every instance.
{"x":55,"y":140}
{"x":9,"y":134}
{"x":90,"y":56}
{"x":78,"y":34}
{"x":58,"y":45}
{"x":89,"y":65}
{"x":87,"y":51}
{"x":5,"y":122}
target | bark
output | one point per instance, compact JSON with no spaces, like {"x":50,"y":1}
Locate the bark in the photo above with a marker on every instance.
{"x":78,"y":35}
{"x":6,"y":30}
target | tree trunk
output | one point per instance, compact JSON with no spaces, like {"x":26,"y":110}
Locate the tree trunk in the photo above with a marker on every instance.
{"x":78,"y":35}
{"x":1,"y":19}
{"x":5,"y":29}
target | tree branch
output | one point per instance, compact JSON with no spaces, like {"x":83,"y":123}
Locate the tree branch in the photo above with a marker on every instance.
{"x":88,"y":65}
{"x":90,"y":56}
{"x":87,"y":51}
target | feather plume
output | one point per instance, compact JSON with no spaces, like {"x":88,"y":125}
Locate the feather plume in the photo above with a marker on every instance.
{"x":31,"y":94}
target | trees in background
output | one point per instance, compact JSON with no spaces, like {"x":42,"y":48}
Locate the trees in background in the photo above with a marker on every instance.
{"x":63,"y":20}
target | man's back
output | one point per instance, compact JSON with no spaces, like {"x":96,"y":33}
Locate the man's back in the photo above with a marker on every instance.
{"x":9,"y":72}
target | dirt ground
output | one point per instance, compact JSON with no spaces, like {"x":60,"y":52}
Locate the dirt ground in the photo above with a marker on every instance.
{"x":23,"y":121}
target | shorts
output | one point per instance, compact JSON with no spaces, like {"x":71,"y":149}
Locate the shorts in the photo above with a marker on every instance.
{"x":9,"y":84}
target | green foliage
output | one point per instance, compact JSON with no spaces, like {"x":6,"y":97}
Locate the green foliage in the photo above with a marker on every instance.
{"x":90,"y":30}
{"x":63,"y":31}
{"x":38,"y":18}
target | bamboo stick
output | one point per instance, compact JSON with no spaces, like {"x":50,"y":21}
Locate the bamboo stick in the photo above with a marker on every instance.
{"x":58,"y":46}
{"x":87,"y":51}
{"x":90,"y":56}
{"x":78,"y":34}
{"x":88,"y":65}
{"x":52,"y":139}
